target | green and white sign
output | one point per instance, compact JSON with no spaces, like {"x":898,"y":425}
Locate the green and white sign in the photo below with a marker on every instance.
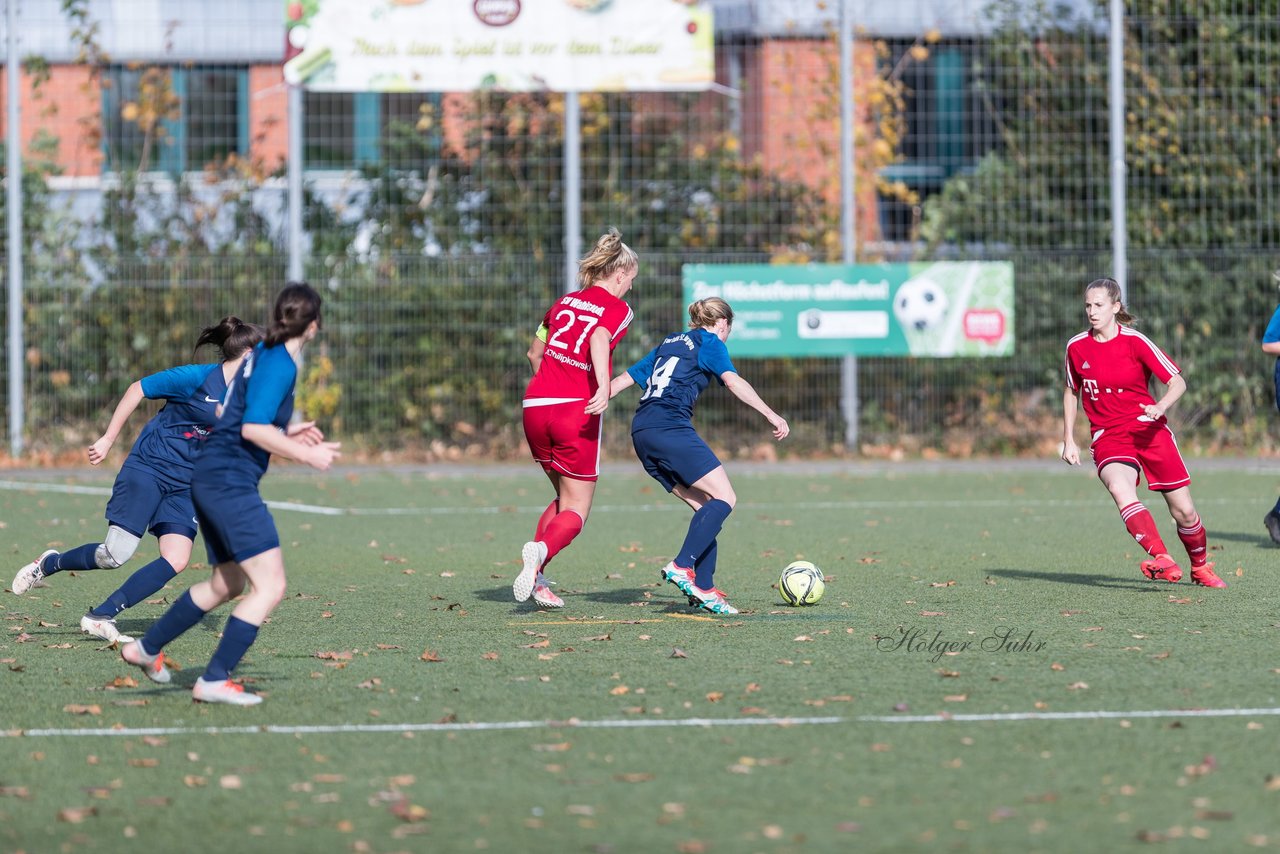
{"x":514,"y":45}
{"x":939,"y":309}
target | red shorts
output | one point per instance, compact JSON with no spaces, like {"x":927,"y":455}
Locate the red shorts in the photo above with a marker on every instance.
{"x":564,"y":439}
{"x":1147,"y":446}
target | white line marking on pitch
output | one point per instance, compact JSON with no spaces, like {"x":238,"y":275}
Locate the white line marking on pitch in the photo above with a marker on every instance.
{"x":665,"y":507}
{"x":649,"y":723}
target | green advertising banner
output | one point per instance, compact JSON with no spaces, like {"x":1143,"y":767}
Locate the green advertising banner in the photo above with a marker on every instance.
{"x":940,"y":309}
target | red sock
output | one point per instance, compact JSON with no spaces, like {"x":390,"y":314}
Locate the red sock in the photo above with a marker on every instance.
{"x":1137,"y":520}
{"x":560,"y":532}
{"x":1196,"y":542}
{"x":547,"y":515}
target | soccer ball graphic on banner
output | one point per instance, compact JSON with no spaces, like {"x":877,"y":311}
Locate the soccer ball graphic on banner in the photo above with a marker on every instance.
{"x":920,"y":304}
{"x":801,"y":583}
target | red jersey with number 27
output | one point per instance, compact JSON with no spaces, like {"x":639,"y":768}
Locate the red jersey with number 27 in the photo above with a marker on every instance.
{"x":1111,"y":377}
{"x":565,"y":372}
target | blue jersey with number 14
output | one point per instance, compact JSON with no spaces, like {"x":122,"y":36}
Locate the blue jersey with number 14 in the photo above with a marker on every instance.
{"x":674,"y":374}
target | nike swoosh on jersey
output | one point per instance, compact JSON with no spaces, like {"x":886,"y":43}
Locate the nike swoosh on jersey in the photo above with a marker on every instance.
{"x":208,"y":399}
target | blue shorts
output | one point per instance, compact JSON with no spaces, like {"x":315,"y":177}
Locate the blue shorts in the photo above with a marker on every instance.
{"x":235,"y":522}
{"x":674,"y":455}
{"x":142,"y":502}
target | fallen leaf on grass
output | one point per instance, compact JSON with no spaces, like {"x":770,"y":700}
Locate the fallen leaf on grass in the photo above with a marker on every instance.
{"x":76,"y":815}
{"x":59,"y":646}
{"x":370,"y":683}
{"x":387,"y":646}
{"x":409,"y":812}
{"x":45,"y":625}
{"x":599,"y":638}
{"x":933,"y":613}
{"x":715,"y":696}
{"x":122,"y":682}
{"x":230,"y":781}
{"x":334,"y":656}
{"x":1092,"y":629}
{"x":942,"y":584}
{"x":619,"y":690}
{"x":635,"y":777}
{"x":955,"y":698}
{"x":15,"y":792}
{"x":1272,"y":783}
{"x":430,"y":655}
{"x":542,"y":644}
{"x":1078,"y":686}
{"x":490,"y":656}
{"x":78,"y":709}
{"x":677,"y":652}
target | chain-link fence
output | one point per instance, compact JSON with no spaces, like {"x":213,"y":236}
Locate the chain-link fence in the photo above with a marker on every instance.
{"x":434,"y":221}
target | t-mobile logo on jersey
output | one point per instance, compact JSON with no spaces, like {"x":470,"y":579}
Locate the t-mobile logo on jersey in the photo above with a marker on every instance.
{"x":1091,"y":388}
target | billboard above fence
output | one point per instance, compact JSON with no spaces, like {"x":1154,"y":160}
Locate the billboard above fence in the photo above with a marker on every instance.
{"x":514,"y":45}
{"x":922,"y":309}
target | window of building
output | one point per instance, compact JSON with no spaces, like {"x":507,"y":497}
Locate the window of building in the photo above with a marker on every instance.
{"x":949,"y":128}
{"x":173,"y":119}
{"x":345,"y":131}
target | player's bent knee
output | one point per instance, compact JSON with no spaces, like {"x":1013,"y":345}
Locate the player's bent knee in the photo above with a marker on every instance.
{"x":116,"y":549}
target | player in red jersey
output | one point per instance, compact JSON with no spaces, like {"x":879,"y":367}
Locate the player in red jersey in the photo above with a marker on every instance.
{"x":1108,"y":369}
{"x":571,"y":358}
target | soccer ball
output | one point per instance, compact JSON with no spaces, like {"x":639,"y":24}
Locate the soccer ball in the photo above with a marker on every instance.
{"x":801,"y":583}
{"x":920,"y":304}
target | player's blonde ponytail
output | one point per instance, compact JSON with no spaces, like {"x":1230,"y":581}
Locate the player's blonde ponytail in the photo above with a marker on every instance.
{"x":607,"y":257}
{"x":705,"y":312}
{"x":1112,"y":287}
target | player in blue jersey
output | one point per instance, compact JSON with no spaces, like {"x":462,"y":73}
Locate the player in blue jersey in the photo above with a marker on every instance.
{"x":674,"y":374}
{"x":1271,"y":346}
{"x":152,"y":492}
{"x":239,"y":533}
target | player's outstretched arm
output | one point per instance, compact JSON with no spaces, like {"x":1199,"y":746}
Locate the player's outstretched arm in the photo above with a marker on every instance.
{"x":267,"y":437}
{"x":599,"y":346}
{"x":536,"y":348}
{"x":619,"y":383}
{"x":1070,"y":450}
{"x":743,"y":391}
{"x":128,"y":403}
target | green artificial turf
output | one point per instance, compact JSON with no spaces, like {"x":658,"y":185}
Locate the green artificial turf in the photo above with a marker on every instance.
{"x":412,"y":705}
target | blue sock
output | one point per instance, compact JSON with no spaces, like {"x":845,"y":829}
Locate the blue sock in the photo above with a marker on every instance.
{"x":139,"y":586}
{"x":182,"y":615}
{"x":237,"y":637}
{"x":705,"y":569}
{"x":81,"y":557}
{"x":703,"y":528}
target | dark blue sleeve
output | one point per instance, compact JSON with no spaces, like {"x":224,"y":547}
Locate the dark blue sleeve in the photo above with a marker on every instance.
{"x":641,"y":370}
{"x":176,"y":383}
{"x":270,"y":384}
{"x":1272,"y":335}
{"x":713,"y":357}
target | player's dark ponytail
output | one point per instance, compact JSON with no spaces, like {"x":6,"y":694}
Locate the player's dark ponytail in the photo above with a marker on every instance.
{"x":231,"y":335}
{"x":1112,"y":287}
{"x":296,"y":306}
